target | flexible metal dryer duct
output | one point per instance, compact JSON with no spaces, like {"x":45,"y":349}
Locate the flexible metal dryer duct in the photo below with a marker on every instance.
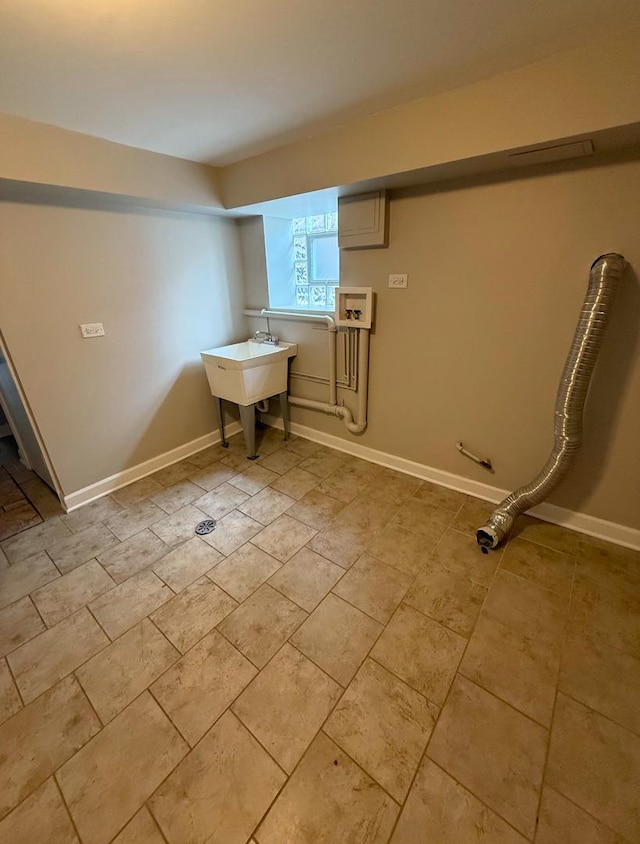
{"x":605,"y":274}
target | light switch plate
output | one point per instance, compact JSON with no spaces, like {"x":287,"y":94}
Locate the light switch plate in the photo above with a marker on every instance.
{"x":398,"y":280}
{"x":92,"y":329}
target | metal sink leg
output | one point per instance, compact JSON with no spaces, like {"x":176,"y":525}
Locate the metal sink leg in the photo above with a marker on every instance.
{"x":248,"y":419}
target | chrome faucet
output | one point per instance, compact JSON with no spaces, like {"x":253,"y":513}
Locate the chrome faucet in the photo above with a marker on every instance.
{"x":265,"y":337}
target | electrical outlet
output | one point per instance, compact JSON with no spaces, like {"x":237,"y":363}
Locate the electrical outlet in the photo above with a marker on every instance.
{"x":398,"y":280}
{"x":92,"y":329}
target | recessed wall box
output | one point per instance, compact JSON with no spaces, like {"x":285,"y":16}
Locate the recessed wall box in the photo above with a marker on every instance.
{"x":354,"y":307}
{"x":363,"y":221}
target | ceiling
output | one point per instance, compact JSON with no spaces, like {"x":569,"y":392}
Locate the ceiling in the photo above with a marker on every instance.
{"x":220,"y":80}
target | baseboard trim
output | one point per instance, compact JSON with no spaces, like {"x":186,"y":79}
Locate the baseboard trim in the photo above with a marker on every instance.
{"x":135,"y":473}
{"x":580,"y":522}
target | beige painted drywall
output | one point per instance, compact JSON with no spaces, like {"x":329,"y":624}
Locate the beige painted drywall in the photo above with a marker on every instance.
{"x":472,"y":350}
{"x":166,"y":285}
{"x":40,"y":154}
{"x":592,"y":88}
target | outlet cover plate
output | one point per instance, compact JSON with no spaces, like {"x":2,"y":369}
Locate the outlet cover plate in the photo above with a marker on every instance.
{"x":398,"y":280}
{"x":92,"y":329}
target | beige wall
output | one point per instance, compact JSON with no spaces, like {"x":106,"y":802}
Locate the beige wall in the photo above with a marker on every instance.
{"x":166,"y":285}
{"x":39,"y":154}
{"x":473,"y":349}
{"x":576,"y":93}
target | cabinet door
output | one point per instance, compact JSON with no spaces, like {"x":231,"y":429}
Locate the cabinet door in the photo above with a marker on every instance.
{"x":363,"y":221}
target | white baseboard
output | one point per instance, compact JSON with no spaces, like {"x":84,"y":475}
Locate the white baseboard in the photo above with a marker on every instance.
{"x":580,"y":522}
{"x":135,"y":473}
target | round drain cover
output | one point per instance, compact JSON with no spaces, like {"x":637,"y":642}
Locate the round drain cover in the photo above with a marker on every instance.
{"x":206,"y":526}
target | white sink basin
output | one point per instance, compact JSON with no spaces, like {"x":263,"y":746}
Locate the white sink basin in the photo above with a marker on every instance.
{"x":248,"y":372}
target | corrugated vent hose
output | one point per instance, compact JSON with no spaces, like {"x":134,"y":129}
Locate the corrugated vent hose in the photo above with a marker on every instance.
{"x":606,"y":272}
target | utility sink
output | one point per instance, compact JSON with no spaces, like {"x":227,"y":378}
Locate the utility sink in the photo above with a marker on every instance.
{"x":248,"y":372}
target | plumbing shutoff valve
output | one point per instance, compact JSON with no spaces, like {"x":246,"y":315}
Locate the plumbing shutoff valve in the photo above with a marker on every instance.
{"x":354,"y":307}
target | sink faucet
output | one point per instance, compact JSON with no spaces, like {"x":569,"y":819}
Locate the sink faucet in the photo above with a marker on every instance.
{"x":266,"y":337}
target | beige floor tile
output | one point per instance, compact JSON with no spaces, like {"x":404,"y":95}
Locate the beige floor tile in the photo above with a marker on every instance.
{"x":596,"y":764}
{"x":384,"y":726}
{"x":199,"y":687}
{"x":135,"y":518}
{"x":281,"y":461}
{"x":42,"y":498}
{"x":610,"y":566}
{"x":515,"y":649}
{"x":232,"y":531}
{"x":302,"y":446}
{"x":35,"y":540}
{"x":179,"y":526}
{"x":283,"y":538}
{"x":119,"y":673}
{"x":440,"y":811}
{"x":10,"y":701}
{"x":188,"y":616}
{"x":91,"y":514}
{"x":328,"y":800}
{"x":19,"y":623}
{"x":306,"y":578}
{"x":221,"y":500}
{"x":423,"y":518}
{"x":449,"y":597}
{"x":42,"y":817}
{"x":440,"y":496}
{"x":261,"y":625}
{"x":174,"y":473}
{"x":107,"y":781}
{"x":367,"y":513}
{"x":187,"y":563}
{"x":387,"y":483}
{"x":316,"y":510}
{"x":39,"y":664}
{"x":562,"y":822}
{"x":132,"y":555}
{"x":208,"y":456}
{"x":337,"y":637}
{"x":72,"y":591}
{"x":24,"y":577}
{"x":544,"y":533}
{"x":295,"y":483}
{"x":543,"y":566}
{"x":254,"y":479}
{"x":244,"y":570}
{"x":421,"y":652}
{"x":141,"y":829}
{"x":324,"y":463}
{"x":178,"y":495}
{"x":124,"y":606}
{"x":408,"y":552}
{"x":493,"y":750}
{"x":289,"y":684}
{"x":341,"y":544}
{"x":267,"y":505}
{"x":39,"y":738}
{"x":615,"y":617}
{"x":373,"y":587}
{"x":344,"y":484}
{"x":237,"y":461}
{"x":461,"y":553}
{"x":213,"y":476}
{"x":18,"y":517}
{"x":472,"y":515}
{"x":73,"y":551}
{"x":136,"y":492}
{"x":221,"y":790}
{"x":603,"y":678}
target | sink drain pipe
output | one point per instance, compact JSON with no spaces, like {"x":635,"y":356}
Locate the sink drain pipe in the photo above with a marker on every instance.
{"x":605,"y":274}
{"x":355,"y":426}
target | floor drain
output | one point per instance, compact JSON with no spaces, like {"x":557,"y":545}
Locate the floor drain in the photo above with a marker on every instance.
{"x":206,"y":526}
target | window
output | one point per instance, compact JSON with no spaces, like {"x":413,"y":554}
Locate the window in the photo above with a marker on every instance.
{"x":303,"y":261}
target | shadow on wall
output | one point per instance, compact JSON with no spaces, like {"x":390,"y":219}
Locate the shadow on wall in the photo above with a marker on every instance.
{"x":172,"y":414}
{"x":603,"y":407}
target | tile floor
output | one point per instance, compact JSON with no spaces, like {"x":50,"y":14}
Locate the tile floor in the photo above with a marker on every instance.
{"x":336,"y":662}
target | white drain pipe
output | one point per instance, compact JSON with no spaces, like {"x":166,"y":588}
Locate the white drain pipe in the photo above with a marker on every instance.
{"x":332,"y":407}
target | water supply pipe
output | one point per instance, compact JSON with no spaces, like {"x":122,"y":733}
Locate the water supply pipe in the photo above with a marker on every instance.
{"x":606,"y":272}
